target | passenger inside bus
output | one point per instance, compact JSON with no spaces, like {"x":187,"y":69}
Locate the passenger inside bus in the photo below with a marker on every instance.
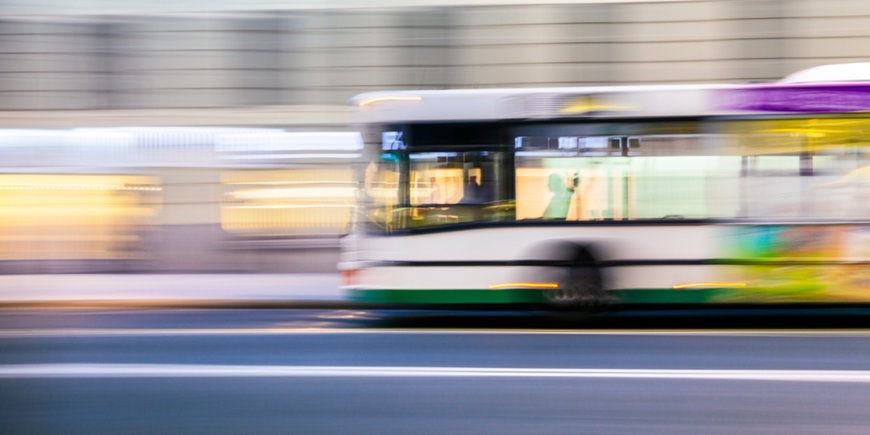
{"x":561,"y":199}
{"x":474,"y":192}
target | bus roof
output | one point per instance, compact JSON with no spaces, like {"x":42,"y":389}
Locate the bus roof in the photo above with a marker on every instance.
{"x":611,"y":102}
{"x":838,"y":73}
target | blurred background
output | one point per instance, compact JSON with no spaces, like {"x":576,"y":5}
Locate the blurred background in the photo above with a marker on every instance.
{"x":213,"y":136}
{"x":207,"y":144}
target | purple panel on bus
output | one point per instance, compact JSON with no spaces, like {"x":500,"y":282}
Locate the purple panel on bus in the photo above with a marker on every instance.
{"x":814,"y":98}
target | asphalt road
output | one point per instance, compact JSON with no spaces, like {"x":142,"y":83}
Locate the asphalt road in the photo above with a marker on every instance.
{"x":285,"y":371}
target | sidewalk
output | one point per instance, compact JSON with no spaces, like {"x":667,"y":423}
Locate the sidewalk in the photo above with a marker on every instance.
{"x":168,"y":290}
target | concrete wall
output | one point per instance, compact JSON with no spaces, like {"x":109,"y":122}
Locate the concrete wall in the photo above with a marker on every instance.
{"x":302,"y":57}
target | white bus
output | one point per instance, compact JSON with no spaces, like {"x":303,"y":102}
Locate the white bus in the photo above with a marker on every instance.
{"x":750,"y":193}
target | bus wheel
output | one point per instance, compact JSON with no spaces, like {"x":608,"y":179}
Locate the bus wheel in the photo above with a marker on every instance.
{"x":580,"y":286}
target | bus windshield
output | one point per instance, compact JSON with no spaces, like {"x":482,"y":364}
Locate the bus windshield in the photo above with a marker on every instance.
{"x":449,"y":176}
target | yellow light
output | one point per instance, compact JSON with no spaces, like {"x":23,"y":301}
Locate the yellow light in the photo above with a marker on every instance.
{"x":524,"y":284}
{"x":709,"y":284}
{"x":74,"y":216}
{"x":589,"y":104}
{"x":369,"y":101}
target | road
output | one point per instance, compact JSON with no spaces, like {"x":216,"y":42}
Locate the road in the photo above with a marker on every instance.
{"x":310,"y":371}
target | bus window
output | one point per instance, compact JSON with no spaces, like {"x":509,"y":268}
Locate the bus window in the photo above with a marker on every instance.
{"x":635,"y":172}
{"x":571,"y":188}
{"x":380,"y":193}
{"x":455,"y":187}
{"x":799,"y":168}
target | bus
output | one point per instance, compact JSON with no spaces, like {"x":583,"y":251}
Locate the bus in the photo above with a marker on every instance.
{"x":585,"y":196}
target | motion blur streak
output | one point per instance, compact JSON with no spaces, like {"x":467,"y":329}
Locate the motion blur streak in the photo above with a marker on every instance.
{"x":209,"y":371}
{"x":525,"y":285}
{"x":163,"y":199}
{"x":370,"y":101}
{"x":710,"y":284}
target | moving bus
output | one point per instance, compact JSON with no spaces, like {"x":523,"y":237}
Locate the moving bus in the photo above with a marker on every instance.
{"x":576,"y":197}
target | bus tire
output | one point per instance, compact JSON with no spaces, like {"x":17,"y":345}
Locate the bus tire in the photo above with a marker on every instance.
{"x":580,"y":284}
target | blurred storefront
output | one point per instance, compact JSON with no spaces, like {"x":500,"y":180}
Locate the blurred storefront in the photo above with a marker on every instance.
{"x":173,"y":199}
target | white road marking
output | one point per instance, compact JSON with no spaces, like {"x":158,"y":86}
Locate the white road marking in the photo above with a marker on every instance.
{"x":65,"y":370}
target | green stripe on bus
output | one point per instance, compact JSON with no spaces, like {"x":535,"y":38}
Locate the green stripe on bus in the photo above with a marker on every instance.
{"x":518,"y":296}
